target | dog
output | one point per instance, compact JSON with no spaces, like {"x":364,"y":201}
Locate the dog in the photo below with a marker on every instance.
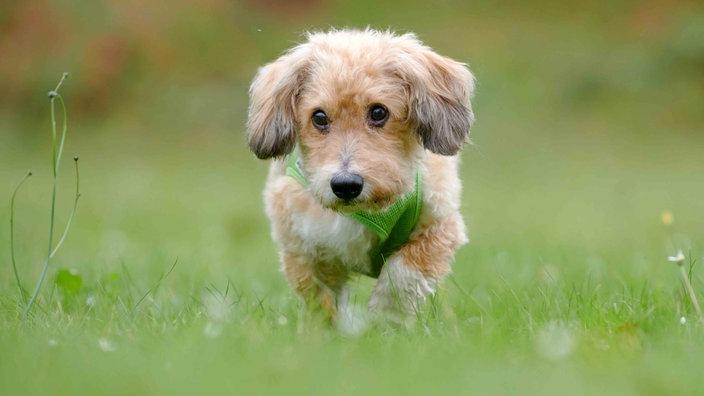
{"x":365,"y":128}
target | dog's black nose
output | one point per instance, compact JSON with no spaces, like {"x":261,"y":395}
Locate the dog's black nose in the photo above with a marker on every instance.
{"x":347,"y":185}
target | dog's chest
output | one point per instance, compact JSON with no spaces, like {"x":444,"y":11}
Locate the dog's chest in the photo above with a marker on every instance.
{"x":338,"y":238}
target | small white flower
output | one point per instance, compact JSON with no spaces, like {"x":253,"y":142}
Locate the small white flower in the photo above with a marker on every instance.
{"x":91,"y":300}
{"x":678,"y":259}
{"x":106,"y":345}
{"x":212,"y":329}
{"x":683,"y":320}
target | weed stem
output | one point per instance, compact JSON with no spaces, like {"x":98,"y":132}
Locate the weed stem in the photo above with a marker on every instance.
{"x":48,"y":257}
{"x":56,"y":156}
{"x":73,"y":212}
{"x":12,"y":237}
{"x":690,"y":291}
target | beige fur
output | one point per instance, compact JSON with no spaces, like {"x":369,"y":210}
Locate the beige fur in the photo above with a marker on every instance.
{"x":345,"y":73}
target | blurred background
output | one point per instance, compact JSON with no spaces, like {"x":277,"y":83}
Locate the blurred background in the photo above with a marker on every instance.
{"x":590,"y":128}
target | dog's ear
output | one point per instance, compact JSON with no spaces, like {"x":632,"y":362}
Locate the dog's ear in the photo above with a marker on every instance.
{"x":271,"y":123}
{"x":439,"y":91}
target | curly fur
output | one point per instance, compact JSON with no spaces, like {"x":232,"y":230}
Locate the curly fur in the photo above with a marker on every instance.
{"x":344,"y":73}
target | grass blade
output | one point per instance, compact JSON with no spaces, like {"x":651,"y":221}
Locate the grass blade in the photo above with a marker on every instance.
{"x":156,"y":285}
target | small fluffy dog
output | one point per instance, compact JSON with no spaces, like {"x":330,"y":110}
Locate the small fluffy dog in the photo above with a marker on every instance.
{"x":366,"y":126}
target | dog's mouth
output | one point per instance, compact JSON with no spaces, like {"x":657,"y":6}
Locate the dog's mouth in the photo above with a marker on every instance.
{"x":346,"y":206}
{"x":359,"y":205}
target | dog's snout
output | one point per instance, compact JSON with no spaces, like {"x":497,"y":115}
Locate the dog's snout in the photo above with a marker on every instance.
{"x":347,"y":185}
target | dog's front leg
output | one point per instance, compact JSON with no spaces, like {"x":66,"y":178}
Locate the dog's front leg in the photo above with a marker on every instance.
{"x":318,"y":283}
{"x":412,"y":273}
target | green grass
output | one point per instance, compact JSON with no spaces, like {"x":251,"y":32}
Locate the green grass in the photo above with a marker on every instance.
{"x":585,"y":136}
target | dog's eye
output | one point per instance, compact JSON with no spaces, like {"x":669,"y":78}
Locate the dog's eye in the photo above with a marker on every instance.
{"x":320,"y":120}
{"x":378,"y":115}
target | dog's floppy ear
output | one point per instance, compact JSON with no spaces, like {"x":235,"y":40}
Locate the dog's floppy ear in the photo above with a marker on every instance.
{"x":271,"y":124}
{"x":439,"y":90}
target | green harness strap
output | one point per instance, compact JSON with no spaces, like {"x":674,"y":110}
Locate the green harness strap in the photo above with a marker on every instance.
{"x":393,"y":225}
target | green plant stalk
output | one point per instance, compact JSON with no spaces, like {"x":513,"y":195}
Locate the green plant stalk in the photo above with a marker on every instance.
{"x":57,"y":155}
{"x":690,"y":291}
{"x":63,"y":138}
{"x":48,"y":258}
{"x":73,"y":211}
{"x":12,"y":237}
{"x":55,"y":167}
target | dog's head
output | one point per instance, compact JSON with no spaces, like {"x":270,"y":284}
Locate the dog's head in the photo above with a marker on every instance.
{"x":362,"y":106}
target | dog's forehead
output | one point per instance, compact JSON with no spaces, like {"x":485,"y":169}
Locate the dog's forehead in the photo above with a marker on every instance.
{"x":345,"y":68}
{"x":352,"y":92}
{"x":339,"y":81}
{"x":353,"y":70}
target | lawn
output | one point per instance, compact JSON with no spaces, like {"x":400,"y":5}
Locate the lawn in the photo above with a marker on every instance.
{"x":586,"y":171}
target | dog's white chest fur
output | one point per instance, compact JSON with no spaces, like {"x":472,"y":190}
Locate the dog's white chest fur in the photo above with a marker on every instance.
{"x":334,"y":236}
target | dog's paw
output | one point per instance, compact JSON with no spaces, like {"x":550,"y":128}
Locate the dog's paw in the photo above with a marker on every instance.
{"x":400,"y":291}
{"x":351,"y":319}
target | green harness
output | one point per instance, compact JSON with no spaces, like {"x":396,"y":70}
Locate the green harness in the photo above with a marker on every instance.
{"x":393,"y":225}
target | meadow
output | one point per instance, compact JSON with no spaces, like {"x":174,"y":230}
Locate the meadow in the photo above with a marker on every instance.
{"x":585,"y":173}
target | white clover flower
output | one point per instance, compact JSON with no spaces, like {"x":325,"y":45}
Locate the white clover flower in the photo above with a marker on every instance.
{"x":678,"y":259}
{"x":683,"y":320}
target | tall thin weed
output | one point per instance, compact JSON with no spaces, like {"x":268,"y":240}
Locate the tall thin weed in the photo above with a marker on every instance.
{"x":57,"y":151}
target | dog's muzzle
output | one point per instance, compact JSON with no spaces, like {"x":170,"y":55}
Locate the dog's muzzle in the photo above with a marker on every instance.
{"x":347,"y":186}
